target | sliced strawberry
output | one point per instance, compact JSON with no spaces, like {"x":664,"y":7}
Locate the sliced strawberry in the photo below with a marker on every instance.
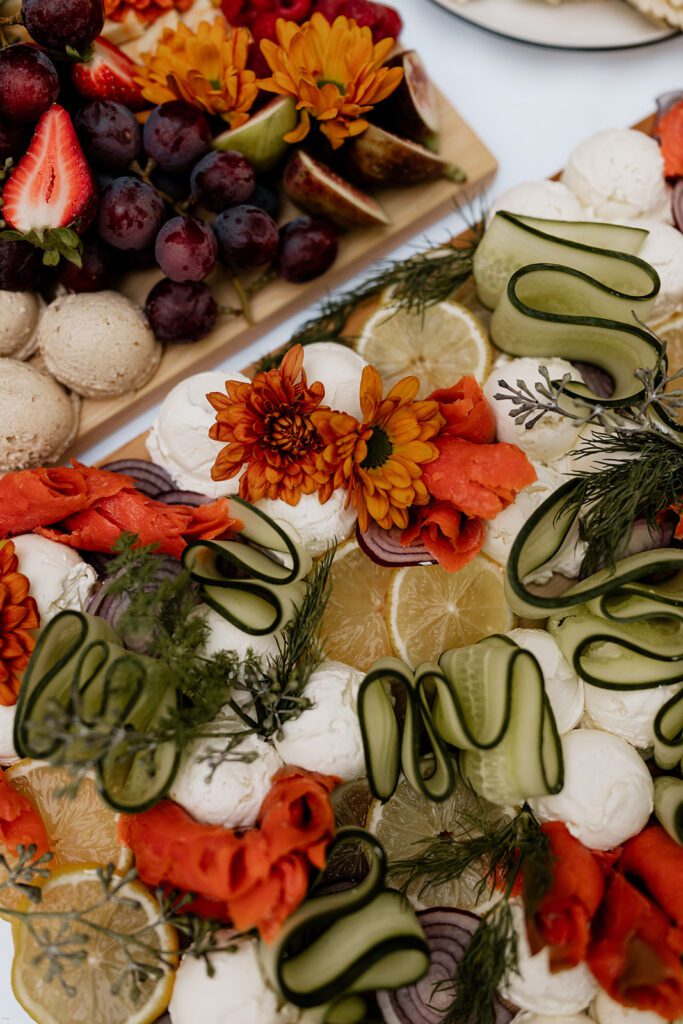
{"x":52,"y":186}
{"x":108,"y":75}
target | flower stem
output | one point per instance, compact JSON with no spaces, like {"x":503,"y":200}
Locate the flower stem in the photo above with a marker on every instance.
{"x":245,"y":301}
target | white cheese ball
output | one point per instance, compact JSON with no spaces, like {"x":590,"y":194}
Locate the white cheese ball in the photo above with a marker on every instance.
{"x":225,"y":636}
{"x":548,"y":199}
{"x":8,"y":754}
{"x":179,"y":440}
{"x":608,"y":792}
{"x":318,"y":527}
{"x":554,"y":435}
{"x":663,"y":249}
{"x":606,"y":1010}
{"x":326,"y":737}
{"x":237,"y":993}
{"x":564,"y":688}
{"x":619,"y":174}
{"x":551,"y":1018}
{"x":339,"y":369}
{"x":230,"y":796}
{"x":535,"y":989}
{"x":59,"y":578}
{"x":19,"y":316}
{"x":627,"y":713}
{"x":500,"y":533}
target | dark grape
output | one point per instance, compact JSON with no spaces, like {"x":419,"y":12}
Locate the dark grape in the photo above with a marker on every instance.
{"x":21,"y":267}
{"x":186,"y":249}
{"x":308,"y":247}
{"x":110,"y":134}
{"x":181,"y":312}
{"x":266,"y":199}
{"x":130,"y":215}
{"x":57,"y":24}
{"x":247,"y":237}
{"x":29,"y":83}
{"x":222,"y":179}
{"x":93,"y":275}
{"x":175,"y":135}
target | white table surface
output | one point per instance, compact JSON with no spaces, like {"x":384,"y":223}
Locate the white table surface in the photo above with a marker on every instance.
{"x":530,"y":106}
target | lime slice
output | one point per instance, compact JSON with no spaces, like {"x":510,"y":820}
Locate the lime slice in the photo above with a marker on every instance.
{"x":261,"y":138}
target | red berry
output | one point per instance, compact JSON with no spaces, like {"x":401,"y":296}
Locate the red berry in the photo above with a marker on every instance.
{"x":51,"y":186}
{"x":29,"y":83}
{"x":294,"y":10}
{"x":308,"y":248}
{"x":264,"y":26}
{"x":181,"y":312}
{"x":108,"y":75}
{"x":186,"y":249}
{"x":57,"y":24}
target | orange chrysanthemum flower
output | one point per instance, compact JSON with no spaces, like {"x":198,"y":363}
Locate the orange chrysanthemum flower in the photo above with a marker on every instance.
{"x":18,"y":616}
{"x":380,"y":459}
{"x":333,"y":71}
{"x":268,"y":427}
{"x":148,"y":10}
{"x":207,"y":68}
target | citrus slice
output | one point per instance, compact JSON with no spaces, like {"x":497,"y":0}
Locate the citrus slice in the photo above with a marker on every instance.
{"x":437,"y":345}
{"x":351,"y":803}
{"x":430,"y":610}
{"x":81,"y":827}
{"x":408,"y":819}
{"x":354,"y":624}
{"x":124,"y":929}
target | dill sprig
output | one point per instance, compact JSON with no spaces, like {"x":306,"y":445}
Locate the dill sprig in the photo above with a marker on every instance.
{"x":501,"y":851}
{"x":62,"y":936}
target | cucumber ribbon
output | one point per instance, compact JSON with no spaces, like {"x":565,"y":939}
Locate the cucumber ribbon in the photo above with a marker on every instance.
{"x":487,"y":700}
{"x":570,"y":290}
{"x":254,"y":582}
{"x":338,"y":946}
{"x":621,"y":628}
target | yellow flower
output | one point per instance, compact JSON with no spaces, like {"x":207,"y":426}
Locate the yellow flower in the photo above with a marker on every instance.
{"x":380,"y":460}
{"x":333,"y":71}
{"x":207,"y":68}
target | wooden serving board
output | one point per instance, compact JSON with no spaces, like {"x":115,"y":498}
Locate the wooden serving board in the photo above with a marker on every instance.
{"x":410,"y":210}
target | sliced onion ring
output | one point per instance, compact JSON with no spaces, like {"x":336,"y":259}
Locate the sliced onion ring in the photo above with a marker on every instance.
{"x":384,"y":547}
{"x":448,"y":933}
{"x":175,"y":497}
{"x":149,"y":478}
{"x":677,"y":204}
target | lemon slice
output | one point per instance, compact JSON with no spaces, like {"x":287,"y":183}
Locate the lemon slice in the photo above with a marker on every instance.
{"x":430,"y":610}
{"x":438,"y":345}
{"x":100,"y":997}
{"x":409,"y":818}
{"x":354,"y":626}
{"x":81,"y":828}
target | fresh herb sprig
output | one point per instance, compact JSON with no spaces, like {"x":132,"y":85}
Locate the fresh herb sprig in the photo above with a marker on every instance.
{"x":501,"y":851}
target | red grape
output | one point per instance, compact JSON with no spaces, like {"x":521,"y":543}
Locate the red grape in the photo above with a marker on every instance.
{"x":57,"y":24}
{"x":110,"y":134}
{"x":221,"y":179}
{"x":29,"y":83}
{"x":181,"y":312}
{"x":93,"y":275}
{"x":21,"y":267}
{"x":247,"y":237}
{"x":186,"y":249}
{"x":308,"y":248}
{"x":130,"y":215}
{"x":175,"y":135}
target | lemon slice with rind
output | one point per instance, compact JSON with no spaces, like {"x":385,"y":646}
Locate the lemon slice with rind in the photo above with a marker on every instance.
{"x":120,"y":929}
{"x":430,"y":610}
{"x":438,"y":345}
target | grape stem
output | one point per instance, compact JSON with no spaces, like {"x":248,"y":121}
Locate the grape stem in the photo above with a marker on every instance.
{"x":12,"y":19}
{"x":245,"y":301}
{"x":145,"y":173}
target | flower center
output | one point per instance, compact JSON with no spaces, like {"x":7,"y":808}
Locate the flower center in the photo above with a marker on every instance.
{"x":330,"y":81}
{"x":290,"y":432}
{"x":379,"y":449}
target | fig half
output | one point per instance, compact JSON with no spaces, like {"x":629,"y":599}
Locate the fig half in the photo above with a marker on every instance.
{"x":412,"y":110}
{"x":316,"y":188}
{"x":379,"y":157}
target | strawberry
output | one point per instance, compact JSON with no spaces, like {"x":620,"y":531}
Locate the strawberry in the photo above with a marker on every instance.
{"x":108,"y":75}
{"x":51,"y":194}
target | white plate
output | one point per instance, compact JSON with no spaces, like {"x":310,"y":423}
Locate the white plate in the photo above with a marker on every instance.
{"x":584,"y":25}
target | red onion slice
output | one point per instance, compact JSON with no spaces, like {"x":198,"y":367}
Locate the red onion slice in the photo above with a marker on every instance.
{"x":677,"y":204}
{"x":111,"y":607}
{"x":149,"y":478}
{"x":448,"y":933}
{"x":384,"y":547}
{"x":599,"y":381}
{"x":173,"y":497}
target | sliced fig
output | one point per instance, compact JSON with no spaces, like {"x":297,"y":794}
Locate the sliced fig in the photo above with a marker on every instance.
{"x":412,"y":109}
{"x":316,"y":188}
{"x":379,"y":157}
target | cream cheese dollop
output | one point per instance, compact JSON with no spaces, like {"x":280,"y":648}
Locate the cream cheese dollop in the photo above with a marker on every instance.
{"x":550,"y":200}
{"x":339,"y":369}
{"x":565,"y":690}
{"x":8,"y":754}
{"x":629,"y":714}
{"x":317,"y":526}
{"x":59,"y":579}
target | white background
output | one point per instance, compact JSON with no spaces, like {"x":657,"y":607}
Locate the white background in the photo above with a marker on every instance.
{"x":530,"y":106}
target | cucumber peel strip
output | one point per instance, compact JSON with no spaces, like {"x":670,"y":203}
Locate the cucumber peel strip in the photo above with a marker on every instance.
{"x":487,"y":700}
{"x":569,"y":290}
{"x":264,"y":584}
{"x":338,"y":946}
